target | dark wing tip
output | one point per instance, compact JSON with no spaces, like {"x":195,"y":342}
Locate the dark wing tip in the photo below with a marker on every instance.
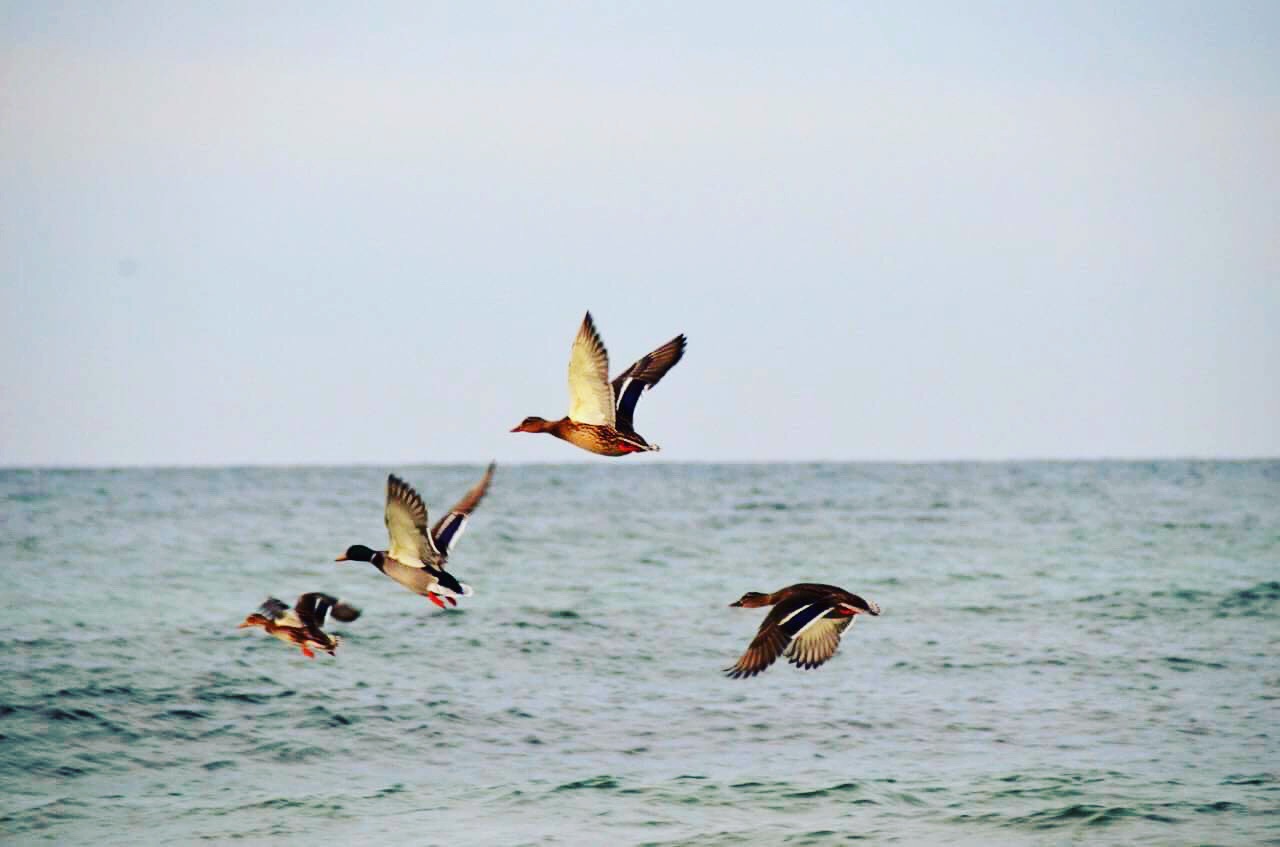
{"x":405,"y":494}
{"x":588,"y":329}
{"x":736,"y":672}
{"x":273,"y":607}
{"x":396,"y":488}
{"x":762,"y":653}
{"x":463,"y":507}
{"x":344,"y":612}
{"x":654,"y":365}
{"x":399,"y":486}
{"x":805,"y":664}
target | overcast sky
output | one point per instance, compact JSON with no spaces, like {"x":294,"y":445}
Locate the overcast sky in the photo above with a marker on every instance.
{"x":330,"y":233}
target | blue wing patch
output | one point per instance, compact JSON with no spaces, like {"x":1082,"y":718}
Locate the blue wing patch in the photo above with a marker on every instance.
{"x":628,"y":396}
{"x":796,"y":622}
{"x":322,"y":607}
{"x":450,"y":531}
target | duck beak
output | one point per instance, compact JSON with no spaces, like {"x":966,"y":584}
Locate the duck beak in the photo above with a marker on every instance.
{"x":735,"y":603}
{"x":243,"y":625}
{"x":342,"y":558}
{"x":518,"y":428}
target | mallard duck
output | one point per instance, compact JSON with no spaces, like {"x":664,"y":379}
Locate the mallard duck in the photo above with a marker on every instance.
{"x":805,"y":625}
{"x":416,"y":556}
{"x":303,"y":625}
{"x":600,"y":413}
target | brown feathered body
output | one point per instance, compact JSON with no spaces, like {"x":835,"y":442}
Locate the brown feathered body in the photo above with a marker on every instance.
{"x":601,"y":440}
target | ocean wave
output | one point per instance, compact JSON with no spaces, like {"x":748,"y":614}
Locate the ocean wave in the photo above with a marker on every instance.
{"x":1039,"y":630}
{"x":44,"y":816}
{"x":1261,"y":599}
{"x":1093,"y":815}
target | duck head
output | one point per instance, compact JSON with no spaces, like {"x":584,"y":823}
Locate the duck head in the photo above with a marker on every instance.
{"x":254,"y":620}
{"x":533,"y":423}
{"x":752,"y":599}
{"x":356,"y":553}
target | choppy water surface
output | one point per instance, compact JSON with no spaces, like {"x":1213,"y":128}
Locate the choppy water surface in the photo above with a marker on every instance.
{"x":1068,"y":652}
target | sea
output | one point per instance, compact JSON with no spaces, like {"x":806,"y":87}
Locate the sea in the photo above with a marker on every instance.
{"x":1069,"y":653}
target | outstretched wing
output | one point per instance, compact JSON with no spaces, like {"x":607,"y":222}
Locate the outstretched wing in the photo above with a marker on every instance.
{"x":273,"y":609}
{"x":764,"y":650}
{"x":640,"y":377}
{"x":818,"y":643}
{"x":406,"y":518}
{"x":788,"y":625}
{"x":314,"y":608}
{"x":590,"y":395}
{"x":449,"y":529}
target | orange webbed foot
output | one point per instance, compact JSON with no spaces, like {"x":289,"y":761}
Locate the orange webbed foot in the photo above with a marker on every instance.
{"x":434,"y":599}
{"x":306,"y":651}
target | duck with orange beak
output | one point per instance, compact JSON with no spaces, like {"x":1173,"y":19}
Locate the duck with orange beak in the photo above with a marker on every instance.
{"x":417,"y":555}
{"x":600,"y":412}
{"x":805,"y":625}
{"x":303,"y":625}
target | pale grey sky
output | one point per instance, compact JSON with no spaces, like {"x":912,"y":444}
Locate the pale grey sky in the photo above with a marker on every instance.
{"x":301,"y":232}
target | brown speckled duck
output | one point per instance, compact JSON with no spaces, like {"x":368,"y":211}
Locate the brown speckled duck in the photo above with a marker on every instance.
{"x":417,"y":555}
{"x":303,"y":625}
{"x":805,"y":625}
{"x":600,"y":413}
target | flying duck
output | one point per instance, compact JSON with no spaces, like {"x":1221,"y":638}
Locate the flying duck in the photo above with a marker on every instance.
{"x":600,"y":413}
{"x":417,"y":555}
{"x":805,"y":625}
{"x":303,"y":625}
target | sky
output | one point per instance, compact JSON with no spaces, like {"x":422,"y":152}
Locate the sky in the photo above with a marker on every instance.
{"x":297,"y":232}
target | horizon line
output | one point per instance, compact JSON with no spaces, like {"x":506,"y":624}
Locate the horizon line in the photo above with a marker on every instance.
{"x":586,"y":462}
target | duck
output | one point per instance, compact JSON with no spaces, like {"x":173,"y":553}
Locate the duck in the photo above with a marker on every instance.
{"x":600,"y":412}
{"x":303,"y":625}
{"x":805,"y":625}
{"x":417,"y":555}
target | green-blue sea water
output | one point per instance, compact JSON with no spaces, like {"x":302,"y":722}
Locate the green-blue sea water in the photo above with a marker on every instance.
{"x":1069,"y":653}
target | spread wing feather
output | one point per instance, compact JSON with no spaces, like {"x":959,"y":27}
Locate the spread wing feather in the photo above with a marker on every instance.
{"x":273,"y":609}
{"x":764,"y":650}
{"x":590,"y":395}
{"x":817,"y":643}
{"x":643,"y":374}
{"x":797,"y":628}
{"x":314,"y":608}
{"x":449,"y":529}
{"x":406,"y":519}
